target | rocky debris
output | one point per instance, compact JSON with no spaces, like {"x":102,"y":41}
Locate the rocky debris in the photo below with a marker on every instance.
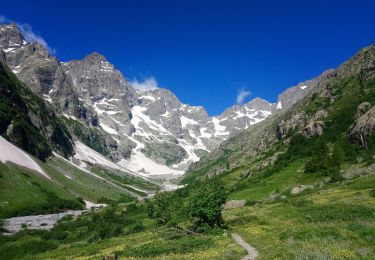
{"x":359,"y":171}
{"x":234,"y":204}
{"x":314,"y":128}
{"x":13,"y":225}
{"x":362,"y":129}
{"x":299,"y":189}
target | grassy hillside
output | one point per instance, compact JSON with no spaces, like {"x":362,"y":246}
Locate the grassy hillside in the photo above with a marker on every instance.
{"x":24,"y":192}
{"x":331,"y":221}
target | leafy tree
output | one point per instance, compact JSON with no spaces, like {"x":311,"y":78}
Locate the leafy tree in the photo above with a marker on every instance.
{"x":190,"y":208}
{"x":161,"y":207}
{"x":206,"y":204}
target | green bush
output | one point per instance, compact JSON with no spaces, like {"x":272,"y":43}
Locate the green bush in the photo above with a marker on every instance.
{"x":301,"y":202}
{"x":164,"y":247}
{"x":337,"y":212}
{"x":18,"y":250}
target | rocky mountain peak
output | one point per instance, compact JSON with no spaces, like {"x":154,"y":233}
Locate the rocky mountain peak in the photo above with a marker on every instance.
{"x":95,"y":57}
{"x":10,"y":36}
{"x":260,"y":104}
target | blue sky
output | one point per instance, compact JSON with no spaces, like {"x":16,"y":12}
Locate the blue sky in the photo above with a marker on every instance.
{"x":206,"y":52}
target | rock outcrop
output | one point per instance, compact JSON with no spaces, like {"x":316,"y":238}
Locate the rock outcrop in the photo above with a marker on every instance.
{"x":33,"y":65}
{"x":314,"y":128}
{"x":362,"y":128}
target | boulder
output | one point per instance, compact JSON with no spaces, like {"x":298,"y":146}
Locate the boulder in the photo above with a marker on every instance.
{"x":314,"y":128}
{"x":234,"y":204}
{"x":362,"y":129}
{"x":362,"y":109}
{"x":299,"y":189}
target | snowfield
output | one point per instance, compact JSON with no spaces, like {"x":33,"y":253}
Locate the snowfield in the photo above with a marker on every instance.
{"x":11,"y":153}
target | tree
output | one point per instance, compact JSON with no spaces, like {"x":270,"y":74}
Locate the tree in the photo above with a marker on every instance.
{"x":206,"y":204}
{"x":160,"y":207}
{"x":338,"y":155}
{"x":319,"y":161}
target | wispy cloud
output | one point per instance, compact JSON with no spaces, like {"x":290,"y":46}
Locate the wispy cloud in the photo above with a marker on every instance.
{"x":3,"y":19}
{"x":242,"y":94}
{"x":28,"y":33}
{"x":146,"y":85}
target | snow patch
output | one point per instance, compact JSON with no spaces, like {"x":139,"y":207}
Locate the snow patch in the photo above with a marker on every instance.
{"x":138,"y":162}
{"x":11,"y":153}
{"x":187,"y":121}
{"x":279,"y":106}
{"x":219,"y":129}
{"x":108,"y":129}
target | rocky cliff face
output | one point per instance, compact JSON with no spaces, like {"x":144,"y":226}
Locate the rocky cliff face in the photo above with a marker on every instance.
{"x":292,"y":95}
{"x":43,"y":73}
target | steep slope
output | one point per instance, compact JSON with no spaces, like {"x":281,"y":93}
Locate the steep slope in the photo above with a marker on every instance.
{"x":27,"y":121}
{"x":328,"y":111}
{"x":42,"y":72}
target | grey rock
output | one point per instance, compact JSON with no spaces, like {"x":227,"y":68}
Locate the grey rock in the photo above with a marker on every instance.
{"x":234,"y":204}
{"x":314,"y":128}
{"x":363,"y":108}
{"x":299,"y":189}
{"x":292,"y":95}
{"x":43,"y":73}
{"x":362,"y":128}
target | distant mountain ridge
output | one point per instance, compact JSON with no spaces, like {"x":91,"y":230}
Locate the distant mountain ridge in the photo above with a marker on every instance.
{"x":151,"y":133}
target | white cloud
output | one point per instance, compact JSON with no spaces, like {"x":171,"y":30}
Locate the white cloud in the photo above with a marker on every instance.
{"x":146,"y":85}
{"x":28,"y":33}
{"x":242,"y":94}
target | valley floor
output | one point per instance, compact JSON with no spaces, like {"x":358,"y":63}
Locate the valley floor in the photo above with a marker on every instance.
{"x":328,"y":221}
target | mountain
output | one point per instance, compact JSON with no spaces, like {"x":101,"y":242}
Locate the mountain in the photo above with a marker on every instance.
{"x":338,"y":108}
{"x":149,"y":133}
{"x":156,"y":134}
{"x":43,"y":73}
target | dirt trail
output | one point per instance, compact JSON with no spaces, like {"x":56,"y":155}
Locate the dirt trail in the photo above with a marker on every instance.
{"x":252,"y":253}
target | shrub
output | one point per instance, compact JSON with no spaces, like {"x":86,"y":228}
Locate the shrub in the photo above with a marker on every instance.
{"x":300,"y":203}
{"x":164,"y":247}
